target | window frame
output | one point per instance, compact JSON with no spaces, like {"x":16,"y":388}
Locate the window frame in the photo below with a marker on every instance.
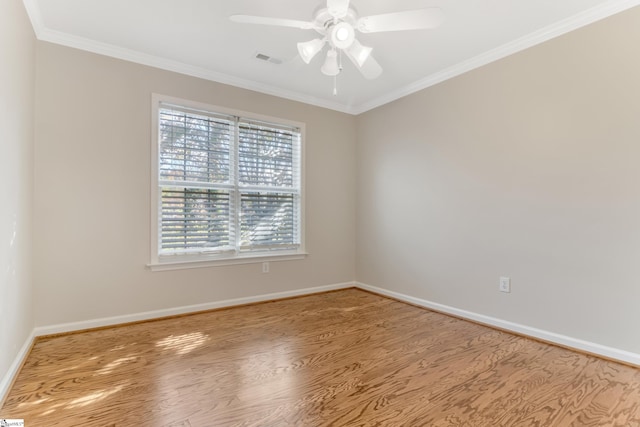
{"x":160,"y":262}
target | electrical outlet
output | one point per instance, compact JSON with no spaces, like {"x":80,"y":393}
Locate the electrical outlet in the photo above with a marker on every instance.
{"x":505,"y":284}
{"x":265,"y":267}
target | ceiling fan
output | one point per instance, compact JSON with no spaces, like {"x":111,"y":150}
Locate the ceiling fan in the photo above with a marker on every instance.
{"x":337,"y":25}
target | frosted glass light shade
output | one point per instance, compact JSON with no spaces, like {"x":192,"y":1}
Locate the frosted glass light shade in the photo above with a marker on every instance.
{"x":308,"y":50}
{"x":330,"y":67}
{"x":359,"y":53}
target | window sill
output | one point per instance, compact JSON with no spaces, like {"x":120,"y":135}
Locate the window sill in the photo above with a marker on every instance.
{"x":183,"y":262}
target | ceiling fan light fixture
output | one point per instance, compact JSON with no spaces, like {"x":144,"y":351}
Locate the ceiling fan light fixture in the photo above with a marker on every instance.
{"x":337,"y":25}
{"x":359,"y":53}
{"x":331,"y":67}
{"x":308,"y":50}
{"x":342,"y":35}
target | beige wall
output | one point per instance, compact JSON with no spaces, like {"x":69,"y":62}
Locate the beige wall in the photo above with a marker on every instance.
{"x":528,"y":168}
{"x":525,"y":168}
{"x":92,"y":192}
{"x":17,"y":61}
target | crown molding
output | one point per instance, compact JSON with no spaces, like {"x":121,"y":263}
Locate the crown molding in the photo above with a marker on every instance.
{"x":57,"y":37}
{"x":545,"y":34}
{"x":555,"y":30}
{"x":182,"y":68}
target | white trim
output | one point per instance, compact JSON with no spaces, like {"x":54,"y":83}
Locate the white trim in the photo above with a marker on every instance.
{"x":33,"y":11}
{"x":552,"y":337}
{"x":181,"y":263}
{"x":557,"y":29}
{"x":39,"y":331}
{"x":597,"y":349}
{"x":540,"y":36}
{"x":156,"y":314}
{"x":159,"y":262}
{"x":57,"y":37}
{"x":8,"y":378}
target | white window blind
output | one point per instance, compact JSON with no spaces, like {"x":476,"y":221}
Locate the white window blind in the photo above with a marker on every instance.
{"x":226,"y":184}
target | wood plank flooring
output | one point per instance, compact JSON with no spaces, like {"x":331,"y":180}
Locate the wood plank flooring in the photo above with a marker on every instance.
{"x":346,"y":358}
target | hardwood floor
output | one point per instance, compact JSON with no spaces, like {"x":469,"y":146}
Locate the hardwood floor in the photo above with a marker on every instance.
{"x":346,"y":358}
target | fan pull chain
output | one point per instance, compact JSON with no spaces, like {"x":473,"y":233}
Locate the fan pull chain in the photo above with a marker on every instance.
{"x":335,"y":78}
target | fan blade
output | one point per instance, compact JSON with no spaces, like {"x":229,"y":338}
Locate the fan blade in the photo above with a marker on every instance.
{"x":418,"y":19}
{"x":370,"y":69}
{"x":338,"y":8}
{"x":265,"y":20}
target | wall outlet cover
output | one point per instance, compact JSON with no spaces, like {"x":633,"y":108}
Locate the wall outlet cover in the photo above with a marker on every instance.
{"x":505,"y":284}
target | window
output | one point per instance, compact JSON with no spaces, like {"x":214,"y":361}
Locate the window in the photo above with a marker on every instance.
{"x":227,"y":186}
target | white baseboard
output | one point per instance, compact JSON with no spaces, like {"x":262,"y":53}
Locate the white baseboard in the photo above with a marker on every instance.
{"x":561,"y":340}
{"x":148,"y":315}
{"x":8,"y":378}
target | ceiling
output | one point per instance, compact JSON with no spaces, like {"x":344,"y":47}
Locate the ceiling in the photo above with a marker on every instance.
{"x":195,"y":37}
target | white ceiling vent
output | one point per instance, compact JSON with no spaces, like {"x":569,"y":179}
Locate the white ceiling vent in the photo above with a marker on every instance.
{"x":267,"y":58}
